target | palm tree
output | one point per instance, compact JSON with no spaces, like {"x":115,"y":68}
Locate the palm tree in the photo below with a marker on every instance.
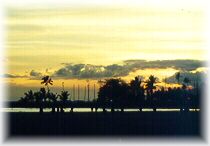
{"x":63,"y":97}
{"x":186,"y":81}
{"x":177,"y":76}
{"x":113,"y":92}
{"x":136,"y":90}
{"x":43,"y":94}
{"x":39,"y":97}
{"x":22,"y":100}
{"x":29,"y":96}
{"x":135,"y":84}
{"x":47,"y":80}
{"x":53,"y":98}
{"x":39,"y":100}
{"x":150,"y":84}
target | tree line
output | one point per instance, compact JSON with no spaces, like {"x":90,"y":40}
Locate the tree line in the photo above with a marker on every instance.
{"x":139,"y":93}
{"x":116,"y":93}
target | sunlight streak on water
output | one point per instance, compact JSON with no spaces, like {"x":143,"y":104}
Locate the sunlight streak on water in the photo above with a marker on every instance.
{"x":89,"y":110}
{"x":165,"y":110}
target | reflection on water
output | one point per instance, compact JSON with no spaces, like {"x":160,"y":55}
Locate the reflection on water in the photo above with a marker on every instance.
{"x":89,"y":110}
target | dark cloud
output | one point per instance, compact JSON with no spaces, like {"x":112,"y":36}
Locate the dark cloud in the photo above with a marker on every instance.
{"x":34,"y":73}
{"x":197,"y":77}
{"x":184,"y":65}
{"x":85,"y":71}
{"x":12,"y":76}
{"x":81,"y":71}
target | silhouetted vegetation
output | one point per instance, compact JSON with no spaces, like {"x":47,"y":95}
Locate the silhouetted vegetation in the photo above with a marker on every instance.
{"x":115,"y":93}
{"x":63,"y":97}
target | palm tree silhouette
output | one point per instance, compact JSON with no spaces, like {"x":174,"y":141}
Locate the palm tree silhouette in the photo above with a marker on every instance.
{"x":113,"y":92}
{"x":116,"y":93}
{"x":177,"y":76}
{"x":39,"y":100}
{"x":29,"y":96}
{"x":43,"y":94}
{"x":53,"y":98}
{"x":135,"y":84}
{"x":63,"y":97}
{"x":185,"y":84}
{"x":186,"y":81}
{"x":136,"y":90}
{"x":47,"y":80}
{"x":22,"y":100}
{"x":150,"y":84}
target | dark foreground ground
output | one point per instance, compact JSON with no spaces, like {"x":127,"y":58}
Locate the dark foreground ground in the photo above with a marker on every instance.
{"x":105,"y":124}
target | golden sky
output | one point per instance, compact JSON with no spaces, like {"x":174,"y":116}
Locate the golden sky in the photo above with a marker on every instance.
{"x":43,"y":37}
{"x":40,"y":37}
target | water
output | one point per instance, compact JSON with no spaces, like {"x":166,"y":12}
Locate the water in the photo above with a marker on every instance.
{"x":89,"y":110}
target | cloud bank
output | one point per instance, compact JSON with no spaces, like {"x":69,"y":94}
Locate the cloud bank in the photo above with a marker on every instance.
{"x":34,"y":73}
{"x":89,"y":71}
{"x":12,"y":76}
{"x":82,"y":71}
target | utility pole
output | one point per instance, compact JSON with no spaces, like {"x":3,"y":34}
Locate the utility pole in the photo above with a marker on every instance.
{"x":94,"y":92}
{"x":63,"y":85}
{"x":85,"y":94}
{"x":88,"y":86}
{"x":73,"y":92}
{"x":88,"y":89}
{"x":78,"y":92}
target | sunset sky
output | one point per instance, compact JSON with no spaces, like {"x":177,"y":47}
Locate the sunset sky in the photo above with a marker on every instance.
{"x":43,"y":39}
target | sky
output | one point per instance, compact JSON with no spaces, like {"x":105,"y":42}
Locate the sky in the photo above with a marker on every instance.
{"x":52,"y":39}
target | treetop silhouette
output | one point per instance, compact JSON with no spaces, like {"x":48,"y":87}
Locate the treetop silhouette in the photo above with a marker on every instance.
{"x":116,"y":93}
